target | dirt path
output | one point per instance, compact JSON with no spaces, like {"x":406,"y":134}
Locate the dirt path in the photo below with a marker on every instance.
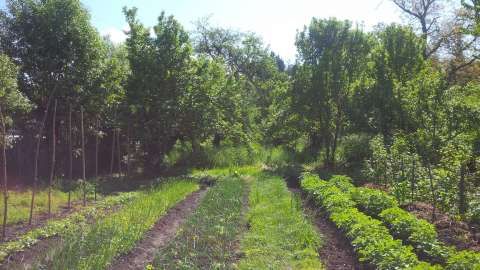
{"x":161,"y":233}
{"x":336,"y":252}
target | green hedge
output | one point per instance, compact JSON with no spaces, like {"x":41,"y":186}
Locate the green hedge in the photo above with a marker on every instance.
{"x":371,"y":240}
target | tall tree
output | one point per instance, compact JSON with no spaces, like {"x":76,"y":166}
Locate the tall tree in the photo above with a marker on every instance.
{"x":333,"y":54}
{"x":159,"y":67}
{"x":59,"y":52}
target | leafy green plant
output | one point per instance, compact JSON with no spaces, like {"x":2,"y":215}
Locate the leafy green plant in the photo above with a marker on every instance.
{"x":464,"y":260}
{"x":280,"y":237}
{"x":372,"y":201}
{"x":370,"y":238}
{"x":343,"y":182}
{"x":417,"y":232}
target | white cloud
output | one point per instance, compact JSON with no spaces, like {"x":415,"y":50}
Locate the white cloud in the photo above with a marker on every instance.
{"x":116,"y":35}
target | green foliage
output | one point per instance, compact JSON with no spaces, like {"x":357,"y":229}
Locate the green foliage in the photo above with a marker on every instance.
{"x":11,"y":99}
{"x":371,"y":240}
{"x":343,"y":182}
{"x":279,"y":235}
{"x":372,"y":201}
{"x":330,"y":53}
{"x":464,"y":260}
{"x":208,"y":238}
{"x":417,"y":232}
{"x":95,"y":246}
{"x":59,"y":52}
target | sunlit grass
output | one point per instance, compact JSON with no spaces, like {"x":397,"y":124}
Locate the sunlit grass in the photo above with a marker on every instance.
{"x":19,"y":203}
{"x":280,"y":236}
{"x":232,"y":170}
{"x":208,"y":240}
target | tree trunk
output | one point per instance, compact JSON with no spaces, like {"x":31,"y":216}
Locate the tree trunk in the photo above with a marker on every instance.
{"x":70,"y":156}
{"x":37,"y":154}
{"x":462,"y":198}
{"x":97,"y":141}
{"x":432,"y":189}
{"x":5,"y":180}
{"x":112,"y":159}
{"x":412,"y":180}
{"x":119,"y":155}
{"x":52,"y":168}
{"x":128,"y":150}
{"x":84,"y":178}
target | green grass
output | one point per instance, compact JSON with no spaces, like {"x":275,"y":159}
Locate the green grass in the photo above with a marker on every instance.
{"x":232,"y":170}
{"x":19,"y":203}
{"x":62,"y":226}
{"x":209,"y":238}
{"x":96,"y":246}
{"x":280,"y":236}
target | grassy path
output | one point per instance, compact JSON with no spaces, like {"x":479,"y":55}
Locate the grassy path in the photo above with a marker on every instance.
{"x":209,"y":238}
{"x":279,"y":235}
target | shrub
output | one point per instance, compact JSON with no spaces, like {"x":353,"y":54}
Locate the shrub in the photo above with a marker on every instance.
{"x":343,"y":182}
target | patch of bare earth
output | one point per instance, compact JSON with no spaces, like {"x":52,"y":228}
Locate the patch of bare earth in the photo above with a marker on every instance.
{"x":450,"y":231}
{"x":336,"y":253}
{"x":160,"y":235}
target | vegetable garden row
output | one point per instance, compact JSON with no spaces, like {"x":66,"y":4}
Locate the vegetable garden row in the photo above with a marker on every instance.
{"x":384,"y":235}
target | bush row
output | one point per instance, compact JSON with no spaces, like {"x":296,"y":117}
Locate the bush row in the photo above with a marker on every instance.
{"x":403,"y":225}
{"x":370,"y":239}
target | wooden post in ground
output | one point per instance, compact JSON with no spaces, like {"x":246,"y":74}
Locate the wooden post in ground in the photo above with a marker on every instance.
{"x":128,"y":150}
{"x":97,"y":141}
{"x":70,"y":156}
{"x":83,"y":159}
{"x":4,"y":170}
{"x":119,"y":159}
{"x":52,"y":168}
{"x":37,"y":156}
{"x":112,"y":159}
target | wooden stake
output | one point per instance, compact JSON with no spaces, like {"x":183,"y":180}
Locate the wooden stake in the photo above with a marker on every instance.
{"x":5,"y":181}
{"x":119,"y":154}
{"x":83,"y":159}
{"x":70,"y":156}
{"x":37,"y":155}
{"x":52,"y":168}
{"x":97,"y":141}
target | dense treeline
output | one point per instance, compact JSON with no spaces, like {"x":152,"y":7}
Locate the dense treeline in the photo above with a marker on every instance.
{"x":398,"y":106}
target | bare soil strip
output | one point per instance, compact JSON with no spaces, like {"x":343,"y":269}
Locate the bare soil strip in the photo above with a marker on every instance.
{"x":161,"y":233}
{"x":337,"y":253}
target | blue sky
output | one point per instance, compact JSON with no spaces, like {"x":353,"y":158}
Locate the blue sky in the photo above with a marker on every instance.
{"x":276,"y":21}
